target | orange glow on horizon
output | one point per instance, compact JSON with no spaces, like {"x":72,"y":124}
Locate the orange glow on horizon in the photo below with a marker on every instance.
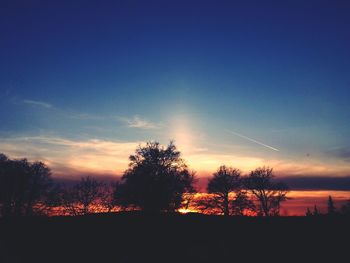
{"x":297,"y":204}
{"x":298,"y":201}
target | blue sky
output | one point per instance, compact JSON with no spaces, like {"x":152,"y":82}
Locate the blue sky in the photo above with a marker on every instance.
{"x":83,"y":83}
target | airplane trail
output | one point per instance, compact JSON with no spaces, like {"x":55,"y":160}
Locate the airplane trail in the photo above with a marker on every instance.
{"x":252,"y":140}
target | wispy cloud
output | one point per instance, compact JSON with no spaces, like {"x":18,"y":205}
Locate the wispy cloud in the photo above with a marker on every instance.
{"x":140,"y":123}
{"x":38,"y":103}
{"x":66,"y":112}
{"x":252,"y":140}
{"x":340,"y":152}
{"x":64,"y":155}
{"x":136,"y":121}
{"x":86,"y":116}
{"x":71,"y":156}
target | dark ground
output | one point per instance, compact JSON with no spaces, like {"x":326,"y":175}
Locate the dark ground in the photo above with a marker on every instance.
{"x":174,"y":238}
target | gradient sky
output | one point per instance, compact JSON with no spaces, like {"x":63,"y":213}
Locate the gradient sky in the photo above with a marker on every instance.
{"x":242,"y":83}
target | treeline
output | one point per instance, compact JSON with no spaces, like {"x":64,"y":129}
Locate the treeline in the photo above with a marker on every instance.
{"x":331,"y":209}
{"x":157,"y":180}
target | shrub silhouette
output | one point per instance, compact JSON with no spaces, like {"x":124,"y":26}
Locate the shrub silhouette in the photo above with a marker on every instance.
{"x":308,"y":212}
{"x":345,"y":208}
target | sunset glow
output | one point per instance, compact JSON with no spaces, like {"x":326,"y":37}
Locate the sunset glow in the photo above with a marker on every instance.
{"x":229,"y":84}
{"x":298,"y":202}
{"x":174,"y":131}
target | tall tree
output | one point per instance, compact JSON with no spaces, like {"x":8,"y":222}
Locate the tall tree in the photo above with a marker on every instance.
{"x":268,"y":194}
{"x":24,"y":187}
{"x":156,"y":180}
{"x":224,"y":181}
{"x":330,"y":206}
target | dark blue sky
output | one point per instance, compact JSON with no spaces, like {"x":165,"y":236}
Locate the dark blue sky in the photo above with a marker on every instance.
{"x":224,"y":79}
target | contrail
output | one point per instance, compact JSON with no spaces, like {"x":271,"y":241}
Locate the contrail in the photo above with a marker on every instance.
{"x":252,"y":140}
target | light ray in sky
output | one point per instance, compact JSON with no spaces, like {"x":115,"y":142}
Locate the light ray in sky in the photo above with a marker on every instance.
{"x":252,"y":140}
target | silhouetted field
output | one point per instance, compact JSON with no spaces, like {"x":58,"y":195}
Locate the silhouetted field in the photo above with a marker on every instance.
{"x":134,"y":237}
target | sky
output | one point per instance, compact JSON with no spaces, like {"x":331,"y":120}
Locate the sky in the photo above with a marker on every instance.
{"x":241,"y":83}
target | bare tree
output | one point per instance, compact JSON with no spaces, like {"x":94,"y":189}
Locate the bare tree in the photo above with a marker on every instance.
{"x":241,"y":204}
{"x":221,"y":185}
{"x":107,"y":198}
{"x":268,"y":194}
{"x":87,"y":192}
{"x":69,"y":202}
{"x":80,"y":198}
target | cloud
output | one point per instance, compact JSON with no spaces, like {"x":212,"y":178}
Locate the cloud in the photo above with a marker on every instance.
{"x":305,"y":167}
{"x":86,"y":116}
{"x":78,"y":156}
{"x":38,"y":103}
{"x":340,"y":152}
{"x":304,"y":183}
{"x":65,"y":112}
{"x":66,"y":156}
{"x":134,"y":122}
{"x":207,"y":162}
{"x":139,"y":123}
{"x":317,"y":182}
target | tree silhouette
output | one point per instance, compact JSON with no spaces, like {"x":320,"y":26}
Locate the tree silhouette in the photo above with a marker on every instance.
{"x":345,"y":209}
{"x":226,"y":194}
{"x":156,"y":179}
{"x":80,"y":198}
{"x":242,"y":203}
{"x":69,"y":202}
{"x":308,"y":212}
{"x":206,"y":205}
{"x":223,"y":182}
{"x":24,"y":187}
{"x":87,"y":191}
{"x":188,"y":200}
{"x":268,"y":194}
{"x":330,"y":206}
{"x":107,"y":198}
